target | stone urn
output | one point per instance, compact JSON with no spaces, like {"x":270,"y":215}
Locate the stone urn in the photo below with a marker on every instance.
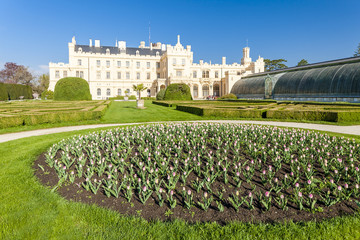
{"x":126,"y":98}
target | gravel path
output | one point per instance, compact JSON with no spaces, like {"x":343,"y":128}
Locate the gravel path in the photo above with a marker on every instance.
{"x":355,"y":130}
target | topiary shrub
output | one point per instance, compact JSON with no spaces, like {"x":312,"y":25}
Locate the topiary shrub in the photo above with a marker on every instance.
{"x":178,"y":91}
{"x":72,"y":88}
{"x":118,"y":97}
{"x":47,"y":94}
{"x":228,"y":96}
{"x":161,"y":94}
{"x":3,"y":92}
{"x":132,"y":97}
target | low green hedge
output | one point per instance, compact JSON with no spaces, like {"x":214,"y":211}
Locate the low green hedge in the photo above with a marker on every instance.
{"x":47,"y":94}
{"x":303,"y":115}
{"x":221,"y":112}
{"x":228,"y":96}
{"x":165,"y":104}
{"x":148,"y":98}
{"x":353,"y":116}
{"x":132,"y":97}
{"x":54,"y":117}
{"x":117,"y":98}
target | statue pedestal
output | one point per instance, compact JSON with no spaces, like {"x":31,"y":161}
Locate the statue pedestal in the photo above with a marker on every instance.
{"x":140,"y":103}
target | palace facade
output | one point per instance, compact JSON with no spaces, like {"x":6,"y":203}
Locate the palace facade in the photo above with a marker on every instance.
{"x":112,"y":71}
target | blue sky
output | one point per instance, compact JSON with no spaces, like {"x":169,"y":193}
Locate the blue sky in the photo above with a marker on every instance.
{"x":33,"y":33}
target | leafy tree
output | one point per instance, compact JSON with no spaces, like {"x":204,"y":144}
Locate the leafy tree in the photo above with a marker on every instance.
{"x":139,"y":88}
{"x":271,"y":65}
{"x":17,"y":74}
{"x":302,"y":63}
{"x":357,"y":52}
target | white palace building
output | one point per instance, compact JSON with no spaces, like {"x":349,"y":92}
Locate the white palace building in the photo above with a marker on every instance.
{"x":112,"y":71}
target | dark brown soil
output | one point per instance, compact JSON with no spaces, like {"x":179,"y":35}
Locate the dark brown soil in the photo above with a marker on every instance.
{"x":152,"y":211}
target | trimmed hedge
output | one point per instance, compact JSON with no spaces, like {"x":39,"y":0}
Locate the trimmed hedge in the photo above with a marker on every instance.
{"x":161,"y":94}
{"x":178,"y":91}
{"x":119,"y":97}
{"x":165,"y":104}
{"x":54,"y":117}
{"x":3,"y":92}
{"x":148,"y":98}
{"x":303,"y":115}
{"x":15,"y":91}
{"x":72,"y":89}
{"x":132,"y":97}
{"x":221,"y":112}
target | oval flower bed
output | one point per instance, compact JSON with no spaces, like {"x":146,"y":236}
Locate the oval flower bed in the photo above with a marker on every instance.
{"x":208,"y":172}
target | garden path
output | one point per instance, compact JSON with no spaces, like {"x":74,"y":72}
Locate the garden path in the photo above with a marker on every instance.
{"x":354,"y":130}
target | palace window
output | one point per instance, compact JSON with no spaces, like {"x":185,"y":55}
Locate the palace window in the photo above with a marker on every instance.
{"x":195,"y":91}
{"x":108,"y":92}
{"x":119,"y":75}
{"x":119,"y":91}
{"x":98,"y":74}
{"x":205,"y":74}
{"x":127,"y":63}
{"x":174,"y":61}
{"x":158,"y":65}
{"x":183,"y":61}
{"x":194,"y":74}
{"x":238,"y":73}
{"x":148,"y":64}
{"x":99,"y":92}
{"x":127,"y":75}
{"x":205,"y":89}
{"x":79,"y":62}
{"x":147,"y":75}
{"x":98,"y":63}
{"x":216,"y":74}
{"x":119,"y":63}
{"x":81,"y":74}
{"x":107,"y":63}
{"x":137,"y":75}
{"x":77,"y":74}
{"x":178,"y":73}
{"x":158,"y":75}
{"x":107,"y":75}
{"x":64,"y":74}
{"x":138,"y":64}
{"x":137,"y":53}
{"x":57,"y":74}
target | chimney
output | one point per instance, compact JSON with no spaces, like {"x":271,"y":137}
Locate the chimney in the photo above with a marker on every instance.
{"x":90,"y":44}
{"x":97,"y":43}
{"x":223,"y":60}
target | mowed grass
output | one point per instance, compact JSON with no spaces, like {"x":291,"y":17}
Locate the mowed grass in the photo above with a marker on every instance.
{"x":29,"y":210}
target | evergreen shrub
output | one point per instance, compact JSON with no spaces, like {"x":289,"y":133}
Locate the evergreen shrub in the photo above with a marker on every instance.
{"x":132,"y":97}
{"x":161,"y":94}
{"x":178,"y":91}
{"x":72,"y":89}
{"x":228,"y":96}
{"x":47,"y":94}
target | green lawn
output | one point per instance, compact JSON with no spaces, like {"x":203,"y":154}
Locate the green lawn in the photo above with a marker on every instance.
{"x":29,"y":210}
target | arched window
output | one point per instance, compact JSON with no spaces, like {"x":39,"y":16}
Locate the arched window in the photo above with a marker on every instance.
{"x":216,"y":90}
{"x":108,"y":92}
{"x":119,"y":91}
{"x":205,"y":90}
{"x":99,"y":92}
{"x":195,"y":91}
{"x":148,"y":93}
